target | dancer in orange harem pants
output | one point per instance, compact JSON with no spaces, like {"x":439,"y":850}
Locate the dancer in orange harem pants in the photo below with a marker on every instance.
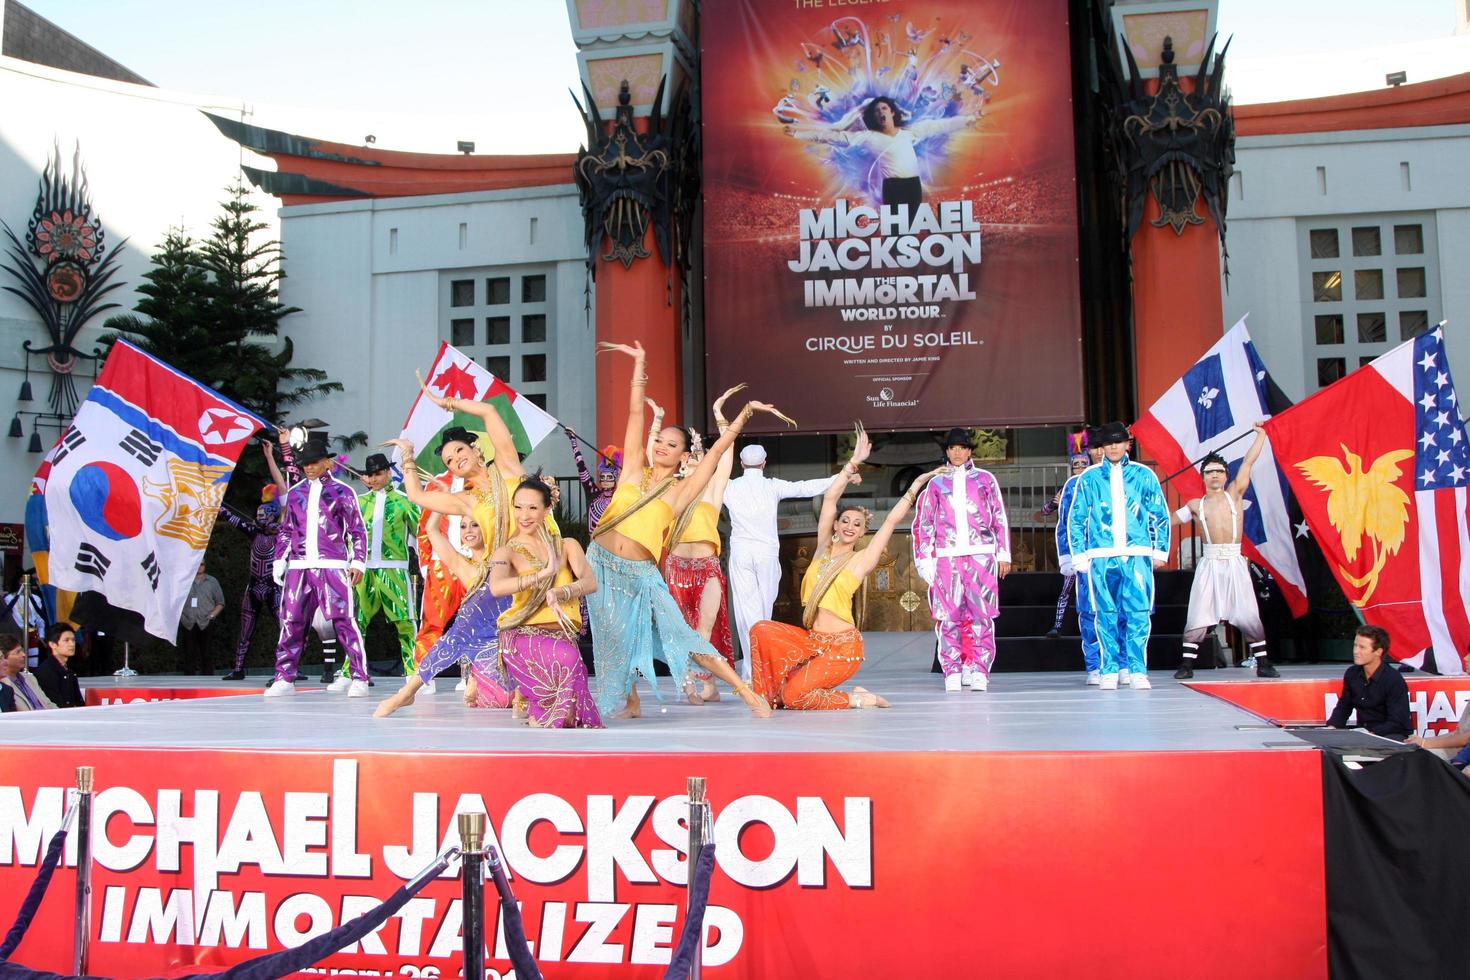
{"x":443,"y":591}
{"x":800,"y":669}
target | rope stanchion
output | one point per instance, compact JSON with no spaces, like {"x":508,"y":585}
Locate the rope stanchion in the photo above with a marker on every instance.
{"x":472,"y":891}
{"x":510,"y":922}
{"x":27,"y":911}
{"x":82,"y":926}
{"x":688,"y":957}
{"x":699,"y":833}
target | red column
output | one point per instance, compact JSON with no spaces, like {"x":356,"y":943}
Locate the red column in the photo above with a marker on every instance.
{"x":634,"y":304}
{"x":1176,"y":301}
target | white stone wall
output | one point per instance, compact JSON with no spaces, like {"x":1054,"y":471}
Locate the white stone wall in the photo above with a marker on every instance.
{"x":1278,"y":186}
{"x":152,"y":162}
{"x":372,"y":311}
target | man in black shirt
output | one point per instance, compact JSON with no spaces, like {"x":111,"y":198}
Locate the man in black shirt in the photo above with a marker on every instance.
{"x":1379,"y":694}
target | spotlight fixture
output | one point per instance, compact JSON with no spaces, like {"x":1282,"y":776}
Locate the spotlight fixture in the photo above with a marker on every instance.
{"x":369,"y":138}
{"x":1396,"y":78}
{"x":466,"y":146}
{"x":25,"y":391}
{"x":15,"y":429}
{"x":35,"y":446}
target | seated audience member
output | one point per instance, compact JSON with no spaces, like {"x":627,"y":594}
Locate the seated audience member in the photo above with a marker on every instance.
{"x":1381,"y":697}
{"x":55,"y":673}
{"x":7,"y":696}
{"x":23,"y":687}
{"x":1446,"y":745}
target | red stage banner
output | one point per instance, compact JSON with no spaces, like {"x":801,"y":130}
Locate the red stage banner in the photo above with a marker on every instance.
{"x":147,"y":694}
{"x":831,"y":865}
{"x":1435,"y":702}
{"x":890,"y":210}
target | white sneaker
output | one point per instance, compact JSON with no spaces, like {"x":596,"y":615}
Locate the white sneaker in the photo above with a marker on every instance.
{"x":340,"y":683}
{"x":1139,"y":682}
{"x":280,"y":687}
{"x":967,"y":677}
{"x":1094,"y":678}
{"x":1125,"y":677}
{"x":460,"y":685}
{"x":979,"y":682}
{"x":428,"y":687}
{"x":357,"y":689}
{"x":1109,"y":682}
{"x":951,"y":683}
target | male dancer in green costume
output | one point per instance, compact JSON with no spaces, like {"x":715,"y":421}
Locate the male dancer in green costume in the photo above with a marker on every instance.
{"x":392,"y":522}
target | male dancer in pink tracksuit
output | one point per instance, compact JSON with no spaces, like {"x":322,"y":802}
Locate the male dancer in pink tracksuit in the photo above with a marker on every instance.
{"x":962,"y":549}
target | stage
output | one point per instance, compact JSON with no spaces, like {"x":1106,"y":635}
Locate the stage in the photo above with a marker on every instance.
{"x":1015,"y":829}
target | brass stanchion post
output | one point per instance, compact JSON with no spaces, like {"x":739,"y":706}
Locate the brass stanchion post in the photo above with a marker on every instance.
{"x":82,"y":930}
{"x":472,"y":879}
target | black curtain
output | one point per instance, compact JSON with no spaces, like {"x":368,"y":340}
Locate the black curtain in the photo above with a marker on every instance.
{"x":1397,"y":842}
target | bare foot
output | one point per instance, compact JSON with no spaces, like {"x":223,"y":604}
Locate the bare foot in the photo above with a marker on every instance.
{"x":518,"y":709}
{"x":631,"y":710}
{"x":709,"y":692}
{"x":691,"y":692}
{"x":469,"y":691}
{"x":758,"y":705}
{"x":402,"y":699}
{"x":872,"y":700}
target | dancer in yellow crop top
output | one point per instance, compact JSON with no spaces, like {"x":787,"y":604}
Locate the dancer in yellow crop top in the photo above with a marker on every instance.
{"x":546,"y":576}
{"x":801,"y":668}
{"x":692,"y":566}
{"x":634,"y":618}
{"x":488,"y":484}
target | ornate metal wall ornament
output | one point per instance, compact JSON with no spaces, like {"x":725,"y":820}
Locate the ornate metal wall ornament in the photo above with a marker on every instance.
{"x":64,"y":270}
{"x":1174,"y":145}
{"x":628,"y":180}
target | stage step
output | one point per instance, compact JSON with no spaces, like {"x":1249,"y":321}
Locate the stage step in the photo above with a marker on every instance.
{"x":1171,"y":588}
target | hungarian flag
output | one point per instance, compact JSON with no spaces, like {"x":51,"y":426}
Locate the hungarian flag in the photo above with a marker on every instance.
{"x":1380,"y":462}
{"x":1213,"y":409}
{"x":456,"y":375}
{"x":132,"y":487}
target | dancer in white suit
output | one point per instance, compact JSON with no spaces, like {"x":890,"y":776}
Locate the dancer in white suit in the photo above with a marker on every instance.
{"x":755,"y":550}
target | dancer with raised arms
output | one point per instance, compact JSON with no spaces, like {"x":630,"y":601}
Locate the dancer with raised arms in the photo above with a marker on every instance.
{"x":634,"y":618}
{"x":692,"y":567}
{"x":800,"y":667}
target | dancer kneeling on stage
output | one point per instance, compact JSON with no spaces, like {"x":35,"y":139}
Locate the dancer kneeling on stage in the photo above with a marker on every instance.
{"x":1222,"y":589}
{"x":798,"y":668}
{"x":634,"y":618}
{"x":538,"y":633}
{"x":473,"y":636}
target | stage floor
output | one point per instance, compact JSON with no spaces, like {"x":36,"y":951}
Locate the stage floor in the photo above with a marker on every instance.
{"x":1038,"y":712}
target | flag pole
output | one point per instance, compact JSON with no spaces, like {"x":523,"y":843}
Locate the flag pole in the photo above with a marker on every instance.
{"x":1223,"y":445}
{"x":589,"y":445}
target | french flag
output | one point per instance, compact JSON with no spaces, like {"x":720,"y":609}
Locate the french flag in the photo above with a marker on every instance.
{"x":1213,"y":408}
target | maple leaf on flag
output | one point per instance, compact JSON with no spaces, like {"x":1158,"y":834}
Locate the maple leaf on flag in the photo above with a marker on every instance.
{"x":454,"y":382}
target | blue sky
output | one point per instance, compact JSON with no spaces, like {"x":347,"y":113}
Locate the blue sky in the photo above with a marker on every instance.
{"x":497,"y":71}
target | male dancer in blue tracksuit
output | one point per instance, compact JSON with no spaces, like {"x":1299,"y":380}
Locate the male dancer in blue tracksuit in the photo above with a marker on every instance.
{"x":1118,"y":533}
{"x":1086,"y":620}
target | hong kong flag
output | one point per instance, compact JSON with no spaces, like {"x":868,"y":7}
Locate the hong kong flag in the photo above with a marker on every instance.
{"x":1379,"y":462}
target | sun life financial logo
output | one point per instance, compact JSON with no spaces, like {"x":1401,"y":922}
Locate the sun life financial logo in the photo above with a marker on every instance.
{"x":885,"y":399}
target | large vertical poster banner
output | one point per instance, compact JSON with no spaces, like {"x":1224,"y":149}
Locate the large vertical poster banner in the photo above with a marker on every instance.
{"x":890,"y":210}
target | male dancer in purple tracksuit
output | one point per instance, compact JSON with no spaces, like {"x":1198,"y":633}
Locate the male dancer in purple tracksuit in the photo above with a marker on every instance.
{"x":962,"y":549}
{"x":320,"y":557}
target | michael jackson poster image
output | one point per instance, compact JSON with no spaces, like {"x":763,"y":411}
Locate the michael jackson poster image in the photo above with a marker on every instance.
{"x":890,"y":209}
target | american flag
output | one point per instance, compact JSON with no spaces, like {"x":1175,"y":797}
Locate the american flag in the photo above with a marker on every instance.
{"x":1442,"y":470}
{"x":1380,"y":463}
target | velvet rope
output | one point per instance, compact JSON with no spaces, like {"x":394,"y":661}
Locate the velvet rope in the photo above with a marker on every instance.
{"x":272,"y":966}
{"x":693,"y":935}
{"x":27,"y":910}
{"x":510,"y":923}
